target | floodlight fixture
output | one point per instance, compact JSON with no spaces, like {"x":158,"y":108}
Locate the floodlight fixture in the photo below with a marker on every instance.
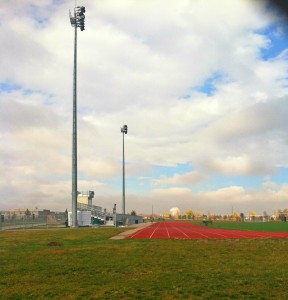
{"x":124,"y":129}
{"x":78,"y":19}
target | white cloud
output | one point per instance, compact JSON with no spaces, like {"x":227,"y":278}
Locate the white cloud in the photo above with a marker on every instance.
{"x":172,"y":192}
{"x":141,"y":64}
{"x":236,"y":166}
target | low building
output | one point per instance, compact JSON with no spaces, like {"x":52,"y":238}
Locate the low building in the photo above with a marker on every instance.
{"x":19,"y":213}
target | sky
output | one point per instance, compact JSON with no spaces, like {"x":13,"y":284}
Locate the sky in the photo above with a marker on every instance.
{"x":202,"y":86}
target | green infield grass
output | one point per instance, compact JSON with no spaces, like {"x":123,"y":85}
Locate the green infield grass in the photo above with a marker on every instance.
{"x":275,"y":226}
{"x":86,"y":264}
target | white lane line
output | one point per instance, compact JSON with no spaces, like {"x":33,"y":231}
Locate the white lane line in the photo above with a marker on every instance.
{"x":182,"y":232}
{"x":150,"y":237}
{"x":167,"y":231}
{"x":197,"y":232}
{"x":211,"y":232}
{"x":138,"y":232}
{"x":230,"y":234}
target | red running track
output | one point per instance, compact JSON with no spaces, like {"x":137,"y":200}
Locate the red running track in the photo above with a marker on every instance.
{"x":182,"y":230}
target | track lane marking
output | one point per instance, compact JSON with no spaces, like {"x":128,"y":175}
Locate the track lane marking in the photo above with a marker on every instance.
{"x":227,"y":236}
{"x":139,"y":231}
{"x":150,"y":237}
{"x":199,"y":233}
{"x":167,"y":231}
{"x":182,"y":232}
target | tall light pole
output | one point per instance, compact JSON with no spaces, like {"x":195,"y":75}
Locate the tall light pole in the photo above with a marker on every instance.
{"x":77,"y":21}
{"x":124,"y":129}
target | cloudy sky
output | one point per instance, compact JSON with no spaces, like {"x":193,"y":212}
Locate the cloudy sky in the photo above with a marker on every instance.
{"x":202,"y":86}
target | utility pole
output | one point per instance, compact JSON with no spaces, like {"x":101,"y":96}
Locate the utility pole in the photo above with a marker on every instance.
{"x":77,"y":20}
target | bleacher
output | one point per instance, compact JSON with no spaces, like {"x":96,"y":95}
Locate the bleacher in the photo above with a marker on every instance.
{"x":97,"y":212}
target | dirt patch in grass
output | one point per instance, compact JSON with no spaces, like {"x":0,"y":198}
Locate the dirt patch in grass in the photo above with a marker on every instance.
{"x":53,"y":244}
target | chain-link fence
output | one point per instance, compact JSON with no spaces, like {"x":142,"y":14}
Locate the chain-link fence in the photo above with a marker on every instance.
{"x":32,"y":221}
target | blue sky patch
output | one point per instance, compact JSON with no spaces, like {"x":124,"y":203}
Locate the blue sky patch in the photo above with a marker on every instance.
{"x":281,"y":177}
{"x":8,"y":87}
{"x":277,"y":35}
{"x":159,"y":171}
{"x":219,"y":182}
{"x":144,"y":185}
{"x":247,"y":182}
{"x":209,"y":86}
{"x":42,"y":14}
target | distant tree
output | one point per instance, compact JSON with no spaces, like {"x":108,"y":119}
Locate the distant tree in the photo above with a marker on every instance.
{"x":253,"y":215}
{"x":242,"y":216}
{"x":189,"y":213}
{"x":27,"y":212}
{"x":212,"y":216}
{"x":236,"y":215}
{"x":166,"y":215}
{"x":133,"y":213}
{"x":177,"y":215}
{"x":282,"y":217}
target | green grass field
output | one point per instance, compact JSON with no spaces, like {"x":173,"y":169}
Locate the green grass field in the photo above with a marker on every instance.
{"x":86,"y":264}
{"x":256,"y":226}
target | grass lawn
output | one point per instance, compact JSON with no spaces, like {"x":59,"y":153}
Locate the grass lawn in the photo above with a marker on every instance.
{"x":257,"y":226}
{"x":86,"y":264}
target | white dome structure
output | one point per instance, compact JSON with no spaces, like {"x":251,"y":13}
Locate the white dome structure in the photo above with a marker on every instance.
{"x":174,"y":212}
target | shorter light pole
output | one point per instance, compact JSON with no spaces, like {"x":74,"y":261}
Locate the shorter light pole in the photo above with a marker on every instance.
{"x":115,"y":215}
{"x":124,"y":130}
